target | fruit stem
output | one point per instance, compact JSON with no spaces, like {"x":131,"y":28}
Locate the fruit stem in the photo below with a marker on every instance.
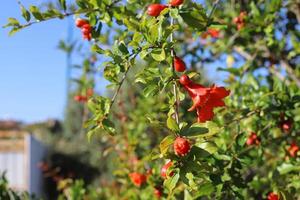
{"x":176,"y":105}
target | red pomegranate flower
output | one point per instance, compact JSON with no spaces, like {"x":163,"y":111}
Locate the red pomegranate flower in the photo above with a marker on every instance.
{"x":293,"y":149}
{"x":214,"y":33}
{"x":181,"y":146}
{"x":137,"y":178}
{"x":204,"y":99}
{"x":179,"y":64}
{"x":165,"y":169}
{"x":273,"y":196}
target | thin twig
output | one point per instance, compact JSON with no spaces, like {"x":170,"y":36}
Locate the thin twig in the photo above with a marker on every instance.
{"x":176,"y":106}
{"x":66,"y":14}
{"x":215,"y":4}
{"x":123,"y":79}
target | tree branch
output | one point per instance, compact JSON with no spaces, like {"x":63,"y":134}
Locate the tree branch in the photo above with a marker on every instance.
{"x":176,"y":106}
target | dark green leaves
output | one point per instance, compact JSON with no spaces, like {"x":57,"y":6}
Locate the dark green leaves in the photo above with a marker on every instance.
{"x":195,"y":17}
{"x":25,"y":13}
{"x":63,"y":4}
{"x":194,"y":130}
{"x":100,"y":108}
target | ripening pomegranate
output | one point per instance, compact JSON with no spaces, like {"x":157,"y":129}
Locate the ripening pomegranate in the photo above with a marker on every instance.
{"x":176,"y":2}
{"x":155,"y":9}
{"x":181,"y":146}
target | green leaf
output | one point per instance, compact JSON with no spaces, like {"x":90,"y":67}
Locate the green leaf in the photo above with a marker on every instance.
{"x":165,"y":143}
{"x":111,"y":73}
{"x":97,"y":49}
{"x":234,"y":71}
{"x":12,"y":22}
{"x":172,"y":125}
{"x":287,"y":167}
{"x":198,"y":153}
{"x":109,"y":126}
{"x":63,"y":4}
{"x":195,"y":17}
{"x":123,"y":49}
{"x":210,"y":147}
{"x":194,"y":130}
{"x":158,"y":54}
{"x":204,"y":190}
{"x":150,"y":90}
{"x":171,"y":182}
{"x":13,"y":31}
{"x":36,"y":13}
{"x":25,"y":13}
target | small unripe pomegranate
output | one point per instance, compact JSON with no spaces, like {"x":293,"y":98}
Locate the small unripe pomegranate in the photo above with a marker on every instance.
{"x":181,"y":146}
{"x":273,"y":196}
{"x":184,"y":80}
{"x":155,"y":9}
{"x":80,"y":22}
{"x":176,"y":2}
{"x":179,"y":64}
{"x":164,"y":170}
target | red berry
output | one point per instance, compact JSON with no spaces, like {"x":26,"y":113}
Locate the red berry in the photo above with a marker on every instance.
{"x":293,"y":149}
{"x":179,"y":64}
{"x":273,"y":196}
{"x":184,"y":80}
{"x":77,"y":98}
{"x":80,"y":22}
{"x":181,"y":146}
{"x":176,"y":2}
{"x":86,"y":27}
{"x":137,"y":178}
{"x":236,"y":20}
{"x":155,"y":9}
{"x":165,"y":168}
{"x":249,"y":141}
{"x":253,"y":139}
{"x":286,"y":125}
{"x":157,"y":192}
{"x":87,"y":37}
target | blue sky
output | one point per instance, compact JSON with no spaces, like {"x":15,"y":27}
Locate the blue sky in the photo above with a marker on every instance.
{"x":32,"y":69}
